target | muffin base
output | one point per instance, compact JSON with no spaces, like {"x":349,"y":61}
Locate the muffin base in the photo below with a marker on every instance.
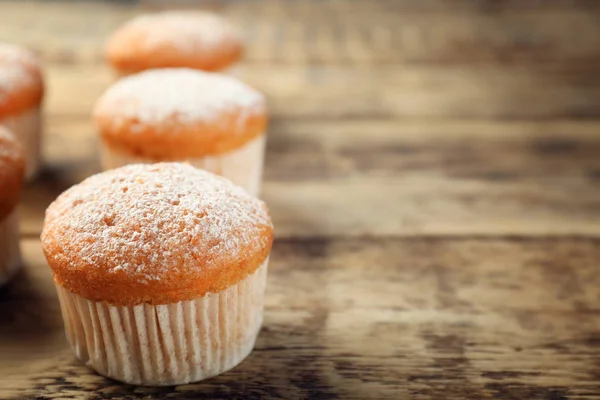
{"x":10,"y":251}
{"x":233,"y":70}
{"x":242,"y":166}
{"x":167,"y":344}
{"x":27,"y":127}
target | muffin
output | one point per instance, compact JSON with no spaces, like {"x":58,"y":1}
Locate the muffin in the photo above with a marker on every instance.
{"x":12,"y":167}
{"x":160,"y":270}
{"x":192,"y":39}
{"x":21,"y":94}
{"x":209,"y":120}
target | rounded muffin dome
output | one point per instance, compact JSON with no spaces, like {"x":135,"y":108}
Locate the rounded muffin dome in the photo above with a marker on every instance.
{"x":12,"y":168}
{"x":191,"y":39}
{"x":154,"y":233}
{"x":179,"y":113}
{"x":21,"y":82}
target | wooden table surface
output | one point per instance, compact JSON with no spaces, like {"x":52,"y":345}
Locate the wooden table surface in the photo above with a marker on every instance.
{"x":433,"y":171}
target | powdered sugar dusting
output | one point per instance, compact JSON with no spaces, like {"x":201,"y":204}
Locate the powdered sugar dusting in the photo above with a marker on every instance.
{"x":188,"y":32}
{"x":15,"y":68}
{"x":150,"y":220}
{"x":186,"y":95}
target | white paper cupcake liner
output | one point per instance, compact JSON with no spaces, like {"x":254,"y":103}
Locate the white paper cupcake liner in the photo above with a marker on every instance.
{"x":27,"y":127}
{"x":234,"y":70}
{"x":10,"y":252}
{"x":242,"y":166}
{"x":167,"y":344}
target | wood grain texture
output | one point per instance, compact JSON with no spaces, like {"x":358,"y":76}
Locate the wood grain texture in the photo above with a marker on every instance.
{"x":330,"y":32}
{"x":358,"y":319}
{"x":432,"y":170}
{"x":370,"y":178}
{"x":332,"y":92}
{"x":316,"y":58}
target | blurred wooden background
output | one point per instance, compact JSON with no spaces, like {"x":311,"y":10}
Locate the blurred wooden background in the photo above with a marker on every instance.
{"x":433,"y":171}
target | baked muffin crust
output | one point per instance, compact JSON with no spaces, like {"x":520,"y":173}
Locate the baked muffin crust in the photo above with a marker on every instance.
{"x":21,"y":82}
{"x":154,"y":233}
{"x":197,"y":40}
{"x":179,"y":113}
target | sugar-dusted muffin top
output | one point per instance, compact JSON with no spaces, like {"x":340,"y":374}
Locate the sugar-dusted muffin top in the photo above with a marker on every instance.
{"x":190,"y":39}
{"x":21,"y":82}
{"x":154,"y":233}
{"x":179,"y":113}
{"x":12,"y":168}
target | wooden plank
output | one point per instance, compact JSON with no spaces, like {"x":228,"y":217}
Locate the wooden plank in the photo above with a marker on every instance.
{"x":334,"y":32}
{"x":304,"y":150}
{"x":385,"y":32}
{"x":391,"y":92}
{"x":358,"y":319}
{"x":432,"y":240}
{"x":392,"y":178}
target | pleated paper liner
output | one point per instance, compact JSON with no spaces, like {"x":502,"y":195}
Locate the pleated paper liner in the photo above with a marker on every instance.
{"x":10,"y":252}
{"x":167,"y":344}
{"x":235,"y":71}
{"x":27,"y":127}
{"x":242,"y":166}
